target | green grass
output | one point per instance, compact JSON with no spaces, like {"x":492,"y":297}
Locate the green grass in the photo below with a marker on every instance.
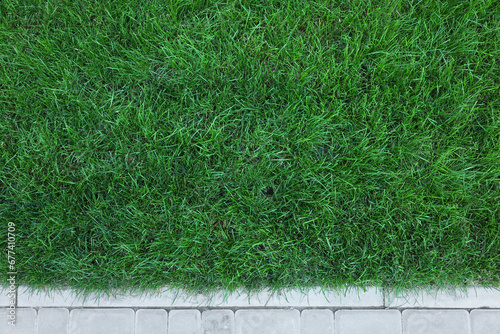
{"x":206,"y":144}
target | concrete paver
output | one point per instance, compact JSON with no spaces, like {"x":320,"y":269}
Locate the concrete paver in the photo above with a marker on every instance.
{"x":53,"y":298}
{"x":101,"y":321}
{"x":472,"y":297}
{"x":436,"y":322}
{"x":253,"y":314}
{"x":485,"y":321}
{"x":25,"y":321}
{"x":371,"y":297}
{"x":184,"y":322}
{"x":368,"y":322}
{"x":218,"y":322}
{"x":53,"y":321}
{"x":267,"y":321}
{"x":151,"y":321}
{"x":4,"y":296}
{"x":316,"y":322}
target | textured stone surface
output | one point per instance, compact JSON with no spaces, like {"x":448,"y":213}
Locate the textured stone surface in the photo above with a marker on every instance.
{"x":25,"y":321}
{"x":372,"y":297}
{"x":151,"y":322}
{"x":4,"y":297}
{"x":316,"y":322}
{"x":485,"y":321}
{"x":53,"y":298}
{"x":368,"y":322}
{"x":218,"y":322}
{"x":470,"y":298}
{"x":435,"y":322}
{"x":256,"y":313}
{"x":267,"y":321}
{"x":184,"y":322}
{"x":101,"y":321}
{"x":53,"y":321}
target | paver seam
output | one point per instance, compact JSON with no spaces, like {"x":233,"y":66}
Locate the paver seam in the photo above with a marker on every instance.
{"x":36,"y":320}
{"x":400,"y":319}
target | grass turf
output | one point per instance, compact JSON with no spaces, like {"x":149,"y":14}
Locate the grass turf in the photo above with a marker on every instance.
{"x":250,"y":144}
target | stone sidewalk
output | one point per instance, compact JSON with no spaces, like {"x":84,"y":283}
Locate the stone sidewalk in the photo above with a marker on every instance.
{"x":474,"y":311}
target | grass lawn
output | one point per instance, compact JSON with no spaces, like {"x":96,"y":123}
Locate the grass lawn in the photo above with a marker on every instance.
{"x":209,"y":144}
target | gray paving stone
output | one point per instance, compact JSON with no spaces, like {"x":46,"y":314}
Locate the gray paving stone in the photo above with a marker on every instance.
{"x":436,"y":322}
{"x":53,"y":321}
{"x":25,"y":321}
{"x":5,"y":299}
{"x":316,"y":322}
{"x":101,"y":321}
{"x":53,"y":298}
{"x":315,"y":297}
{"x":267,"y":321}
{"x":368,"y":322}
{"x":472,"y":297}
{"x":372,"y":297}
{"x":151,"y":322}
{"x":485,"y":321}
{"x":218,"y":322}
{"x":184,"y":322}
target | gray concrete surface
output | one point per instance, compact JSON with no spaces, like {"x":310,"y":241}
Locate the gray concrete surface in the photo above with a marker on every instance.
{"x":485,"y":321}
{"x":473,"y":297}
{"x":218,"y":322}
{"x":149,"y":321}
{"x":443,"y":314}
{"x":316,"y":322}
{"x":25,"y":321}
{"x":372,"y":297}
{"x":267,"y":321}
{"x":368,"y":322}
{"x":5,"y":298}
{"x":53,"y":321}
{"x":101,"y":321}
{"x":184,"y":322}
{"x":436,"y":322}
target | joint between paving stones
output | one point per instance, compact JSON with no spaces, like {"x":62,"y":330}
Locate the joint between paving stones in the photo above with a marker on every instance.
{"x":384,"y":296}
